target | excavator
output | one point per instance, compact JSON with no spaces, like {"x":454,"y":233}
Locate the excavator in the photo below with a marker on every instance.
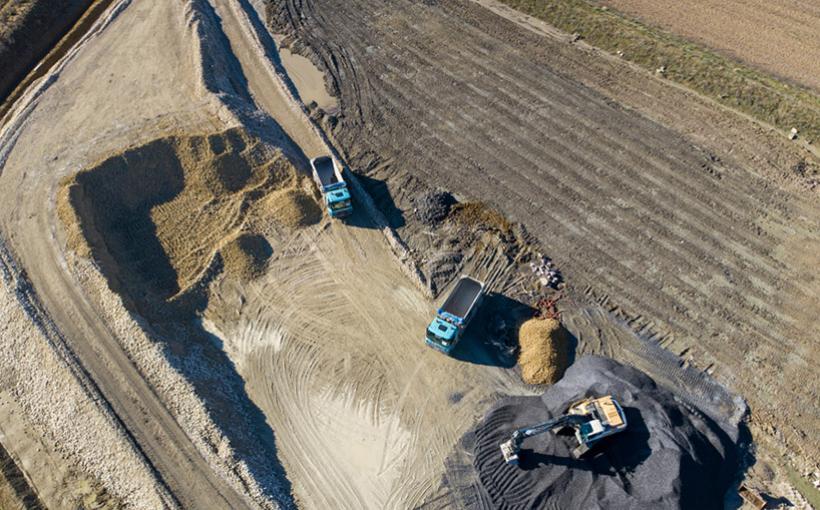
{"x":592,"y":419}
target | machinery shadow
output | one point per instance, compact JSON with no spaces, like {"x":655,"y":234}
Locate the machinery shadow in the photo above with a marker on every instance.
{"x":616,"y":455}
{"x":380,"y":193}
{"x":492,"y":337}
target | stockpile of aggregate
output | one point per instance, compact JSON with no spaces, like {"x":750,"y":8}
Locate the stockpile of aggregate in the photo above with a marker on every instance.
{"x":155,"y":215}
{"x":544,"y":351}
{"x":432,"y":207}
{"x":670,"y":456}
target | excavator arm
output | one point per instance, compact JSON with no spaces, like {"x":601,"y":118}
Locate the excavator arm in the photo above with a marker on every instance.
{"x":511,"y":447}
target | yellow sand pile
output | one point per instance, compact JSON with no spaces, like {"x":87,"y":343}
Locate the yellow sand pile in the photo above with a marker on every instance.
{"x":157,"y":214}
{"x":246,"y":256}
{"x":544,"y":353}
{"x":293,"y":208}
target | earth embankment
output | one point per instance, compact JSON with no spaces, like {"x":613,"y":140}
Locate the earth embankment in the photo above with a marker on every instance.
{"x":28,"y":30}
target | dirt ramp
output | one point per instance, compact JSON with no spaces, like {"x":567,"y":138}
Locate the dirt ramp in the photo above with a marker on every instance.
{"x":154,"y":216}
{"x":670,"y":456}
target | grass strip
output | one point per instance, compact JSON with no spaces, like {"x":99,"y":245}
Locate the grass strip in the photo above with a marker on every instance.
{"x":806,"y":489}
{"x":727,"y":81}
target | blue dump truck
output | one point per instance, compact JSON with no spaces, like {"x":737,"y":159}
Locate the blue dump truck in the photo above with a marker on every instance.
{"x":454,"y":315}
{"x":328,"y":177}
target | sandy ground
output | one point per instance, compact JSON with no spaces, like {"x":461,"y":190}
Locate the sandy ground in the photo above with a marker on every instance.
{"x":365,"y":413}
{"x":324,"y":342}
{"x":171,"y":95}
{"x":777,"y":36}
{"x":137,"y":74}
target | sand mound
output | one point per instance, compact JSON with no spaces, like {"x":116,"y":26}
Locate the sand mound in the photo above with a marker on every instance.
{"x":544,"y":354}
{"x":154,"y":216}
{"x":671,"y":456}
{"x":293,"y":208}
{"x":246,"y":256}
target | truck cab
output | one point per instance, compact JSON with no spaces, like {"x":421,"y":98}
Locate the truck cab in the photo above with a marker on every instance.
{"x":338,"y":203}
{"x":441,"y":335}
{"x":328,"y":177}
{"x":451,"y":319}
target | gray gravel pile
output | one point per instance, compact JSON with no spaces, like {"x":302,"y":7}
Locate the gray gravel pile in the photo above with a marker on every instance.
{"x":433,"y":207}
{"x":670,"y":456}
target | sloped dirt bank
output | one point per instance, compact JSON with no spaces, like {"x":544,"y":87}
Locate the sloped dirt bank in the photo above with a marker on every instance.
{"x":28,"y":29}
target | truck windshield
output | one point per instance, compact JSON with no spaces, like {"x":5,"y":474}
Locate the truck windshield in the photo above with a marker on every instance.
{"x":434,"y":338}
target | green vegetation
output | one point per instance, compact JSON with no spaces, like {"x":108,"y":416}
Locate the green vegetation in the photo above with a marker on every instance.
{"x":721,"y":78}
{"x":808,"y":491}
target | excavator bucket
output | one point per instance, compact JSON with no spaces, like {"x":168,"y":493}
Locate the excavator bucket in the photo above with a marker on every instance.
{"x":510,"y":452}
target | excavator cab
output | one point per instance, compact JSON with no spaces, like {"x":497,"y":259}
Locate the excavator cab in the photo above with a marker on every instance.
{"x":592,"y":419}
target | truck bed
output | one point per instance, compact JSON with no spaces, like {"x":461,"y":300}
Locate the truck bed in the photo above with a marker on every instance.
{"x":463,"y":296}
{"x":325,"y":171}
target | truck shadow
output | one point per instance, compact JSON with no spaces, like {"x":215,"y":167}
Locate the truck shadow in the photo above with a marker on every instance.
{"x":382,"y":199}
{"x":359,"y":218}
{"x":492,"y":337}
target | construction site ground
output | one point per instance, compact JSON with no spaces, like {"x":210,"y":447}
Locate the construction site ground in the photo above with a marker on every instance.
{"x":687,"y":220}
{"x":308,"y":382}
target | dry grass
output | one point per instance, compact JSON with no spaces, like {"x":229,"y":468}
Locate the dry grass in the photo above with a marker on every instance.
{"x":480,"y":214}
{"x":544,"y":354}
{"x":721,"y":78}
{"x":805,"y":488}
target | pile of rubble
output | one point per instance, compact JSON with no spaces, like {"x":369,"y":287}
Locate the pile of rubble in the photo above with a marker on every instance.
{"x":545,"y":271}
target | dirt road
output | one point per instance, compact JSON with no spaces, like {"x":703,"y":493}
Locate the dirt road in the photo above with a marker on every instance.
{"x":256,"y":53}
{"x":682,"y":240}
{"x":330,"y":344}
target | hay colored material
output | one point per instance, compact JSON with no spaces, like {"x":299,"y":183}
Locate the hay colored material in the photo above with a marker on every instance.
{"x":544,"y":354}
